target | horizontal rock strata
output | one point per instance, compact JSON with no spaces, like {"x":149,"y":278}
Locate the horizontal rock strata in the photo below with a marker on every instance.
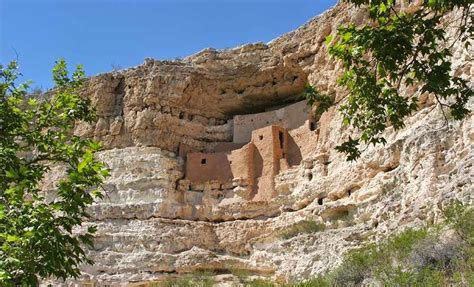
{"x":153,"y":224}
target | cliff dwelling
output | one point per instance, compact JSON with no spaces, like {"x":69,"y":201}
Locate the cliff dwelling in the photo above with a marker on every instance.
{"x":219,"y":172}
{"x":263,"y":145}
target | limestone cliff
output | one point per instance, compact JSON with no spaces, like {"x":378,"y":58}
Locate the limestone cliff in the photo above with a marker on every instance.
{"x":153,"y":224}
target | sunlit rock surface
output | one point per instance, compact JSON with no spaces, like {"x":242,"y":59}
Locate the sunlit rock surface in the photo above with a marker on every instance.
{"x":152,"y":225}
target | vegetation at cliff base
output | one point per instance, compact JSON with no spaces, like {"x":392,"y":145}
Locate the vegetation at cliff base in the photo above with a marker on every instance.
{"x":437,"y":255}
{"x":197,"y":279}
{"x":441,"y":255}
{"x":37,"y":237}
{"x":397,"y":50}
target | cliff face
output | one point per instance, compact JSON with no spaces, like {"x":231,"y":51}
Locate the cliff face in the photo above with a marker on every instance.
{"x":153,"y":224}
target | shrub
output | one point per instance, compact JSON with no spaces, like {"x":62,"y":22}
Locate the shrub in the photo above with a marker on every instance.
{"x":260,"y":283}
{"x":321,"y":281}
{"x":430,"y":253}
{"x":197,"y":279}
{"x":305,"y":226}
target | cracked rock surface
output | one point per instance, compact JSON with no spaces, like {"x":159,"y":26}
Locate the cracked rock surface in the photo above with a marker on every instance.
{"x":150,"y":228}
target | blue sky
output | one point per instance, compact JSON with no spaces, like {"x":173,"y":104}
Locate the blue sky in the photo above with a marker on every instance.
{"x":103,"y":34}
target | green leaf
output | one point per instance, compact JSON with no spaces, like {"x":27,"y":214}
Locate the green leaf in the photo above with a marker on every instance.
{"x":11,"y":173}
{"x":328,"y":39}
{"x":12,"y":238}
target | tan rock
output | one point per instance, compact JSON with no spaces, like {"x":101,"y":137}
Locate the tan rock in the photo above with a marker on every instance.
{"x":152,"y":223}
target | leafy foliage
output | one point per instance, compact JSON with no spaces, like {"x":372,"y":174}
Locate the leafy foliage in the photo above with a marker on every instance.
{"x":398,"y":49}
{"x":322,"y":102}
{"x":36,"y":235}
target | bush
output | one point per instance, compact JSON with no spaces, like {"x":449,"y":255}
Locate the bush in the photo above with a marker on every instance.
{"x":198,"y":279}
{"x":259,"y":283}
{"x":305,"y":226}
{"x":430,"y":253}
{"x":321,"y":281}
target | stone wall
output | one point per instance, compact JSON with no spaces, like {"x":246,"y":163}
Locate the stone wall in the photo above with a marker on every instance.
{"x":288,"y":117}
{"x":220,"y":166}
{"x":202,"y":167}
{"x":258,"y":162}
{"x":302,"y":142}
{"x":271,"y":146}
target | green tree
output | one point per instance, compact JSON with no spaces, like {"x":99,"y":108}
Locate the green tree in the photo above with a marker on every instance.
{"x":396,"y":49}
{"x":36,"y":235}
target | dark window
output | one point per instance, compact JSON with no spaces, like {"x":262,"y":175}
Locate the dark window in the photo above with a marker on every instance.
{"x":312,"y":126}
{"x":260,"y":137}
{"x":280,"y":138}
{"x":320,"y":201}
{"x":203,"y":161}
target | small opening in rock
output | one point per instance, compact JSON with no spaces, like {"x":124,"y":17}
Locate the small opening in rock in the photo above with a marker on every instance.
{"x":312,"y":126}
{"x":260,"y":137}
{"x":310,"y":176}
{"x":203,"y":161}
{"x":349,"y":192}
{"x":181,"y":115}
{"x":320,"y":201}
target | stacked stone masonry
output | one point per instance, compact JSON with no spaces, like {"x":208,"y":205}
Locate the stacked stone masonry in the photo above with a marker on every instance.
{"x":269,"y":149}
